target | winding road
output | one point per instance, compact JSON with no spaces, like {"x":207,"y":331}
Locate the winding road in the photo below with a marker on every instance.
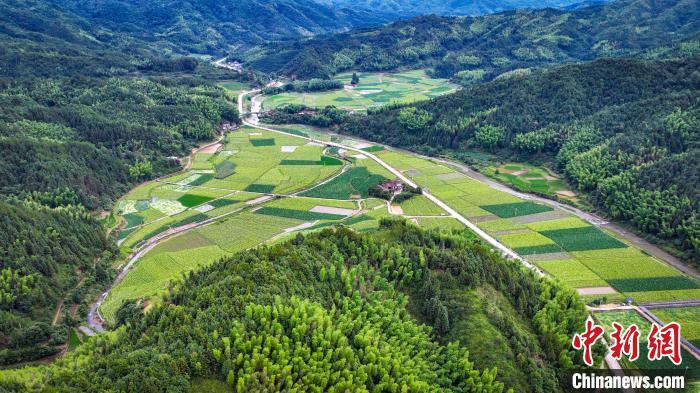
{"x":505,"y":251}
{"x":96,"y":322}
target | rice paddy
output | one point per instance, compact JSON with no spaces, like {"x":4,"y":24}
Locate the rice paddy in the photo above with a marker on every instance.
{"x":374,"y":89}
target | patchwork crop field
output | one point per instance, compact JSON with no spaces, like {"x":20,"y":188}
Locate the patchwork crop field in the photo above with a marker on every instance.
{"x":568,"y":248}
{"x":374,"y":89}
{"x":354,"y":183}
{"x":421,"y":206}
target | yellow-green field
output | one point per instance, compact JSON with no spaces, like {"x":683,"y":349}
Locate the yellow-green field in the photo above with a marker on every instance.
{"x":374,"y":89}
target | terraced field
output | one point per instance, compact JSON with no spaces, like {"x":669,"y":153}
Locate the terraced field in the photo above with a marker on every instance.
{"x":374,"y":89}
{"x":584,"y":256}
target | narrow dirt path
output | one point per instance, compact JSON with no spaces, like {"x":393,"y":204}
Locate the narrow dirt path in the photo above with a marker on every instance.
{"x":57,"y":313}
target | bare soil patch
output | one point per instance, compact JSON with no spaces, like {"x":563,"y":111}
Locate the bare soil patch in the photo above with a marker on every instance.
{"x":332,"y":210}
{"x":596,"y":291}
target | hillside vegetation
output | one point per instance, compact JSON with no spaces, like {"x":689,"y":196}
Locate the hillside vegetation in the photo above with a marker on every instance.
{"x":84,"y":116}
{"x":208,"y":27}
{"x":481,"y":48}
{"x":329,"y":311}
{"x":50,"y":252}
{"x":624,"y":131}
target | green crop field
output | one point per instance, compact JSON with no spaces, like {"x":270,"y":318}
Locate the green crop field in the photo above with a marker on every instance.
{"x":305,"y":203}
{"x":303,"y":215}
{"x":509,"y":210}
{"x":687,"y":317}
{"x":653,"y":284}
{"x":225,"y":169}
{"x":572,"y":272}
{"x":583,"y":238}
{"x":352,"y":183}
{"x":258,"y":142}
{"x":561,"y":223}
{"x":190,"y":200}
{"x":374,"y":89}
{"x":499,"y":225}
{"x":447,"y":223}
{"x":421,"y":206}
{"x":525,"y":239}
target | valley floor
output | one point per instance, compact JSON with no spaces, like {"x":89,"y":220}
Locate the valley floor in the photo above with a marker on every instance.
{"x":264,"y":185}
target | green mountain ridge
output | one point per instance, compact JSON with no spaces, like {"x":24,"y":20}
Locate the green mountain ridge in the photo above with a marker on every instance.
{"x":474,"y":49}
{"x":457,"y":7}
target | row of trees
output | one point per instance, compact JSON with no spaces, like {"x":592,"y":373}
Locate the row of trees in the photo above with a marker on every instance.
{"x":312,"y":85}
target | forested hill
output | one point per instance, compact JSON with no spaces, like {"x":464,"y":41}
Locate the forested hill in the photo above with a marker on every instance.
{"x":480,"y":48}
{"x":625,"y":131}
{"x":331,"y":312}
{"x":217,"y":27}
{"x":52,"y":253}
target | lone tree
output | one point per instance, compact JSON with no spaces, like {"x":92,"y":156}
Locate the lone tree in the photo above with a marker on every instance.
{"x":355,"y":79}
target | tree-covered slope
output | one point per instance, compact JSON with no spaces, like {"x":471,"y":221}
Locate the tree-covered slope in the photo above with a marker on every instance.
{"x":326,"y":312}
{"x":216,"y":27}
{"x":98,"y":136}
{"x":624,"y":131}
{"x":480,"y":48}
{"x":50,"y":252}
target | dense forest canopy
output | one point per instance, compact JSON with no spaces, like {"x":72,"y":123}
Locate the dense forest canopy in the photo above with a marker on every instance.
{"x":481,"y":48}
{"x":218,"y":27}
{"x":85,"y":114}
{"x":51,"y":251}
{"x":328,"y":311}
{"x":625,"y":131}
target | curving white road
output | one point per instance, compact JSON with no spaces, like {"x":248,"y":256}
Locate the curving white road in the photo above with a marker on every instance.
{"x":505,"y":251}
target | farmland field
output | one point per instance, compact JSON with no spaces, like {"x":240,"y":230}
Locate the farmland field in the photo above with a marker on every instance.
{"x":687,"y":317}
{"x":354,"y":183}
{"x":509,"y":210}
{"x":374,"y":89}
{"x":572,"y":272}
{"x":626,"y":318}
{"x":421,"y":206}
{"x":595,"y":257}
